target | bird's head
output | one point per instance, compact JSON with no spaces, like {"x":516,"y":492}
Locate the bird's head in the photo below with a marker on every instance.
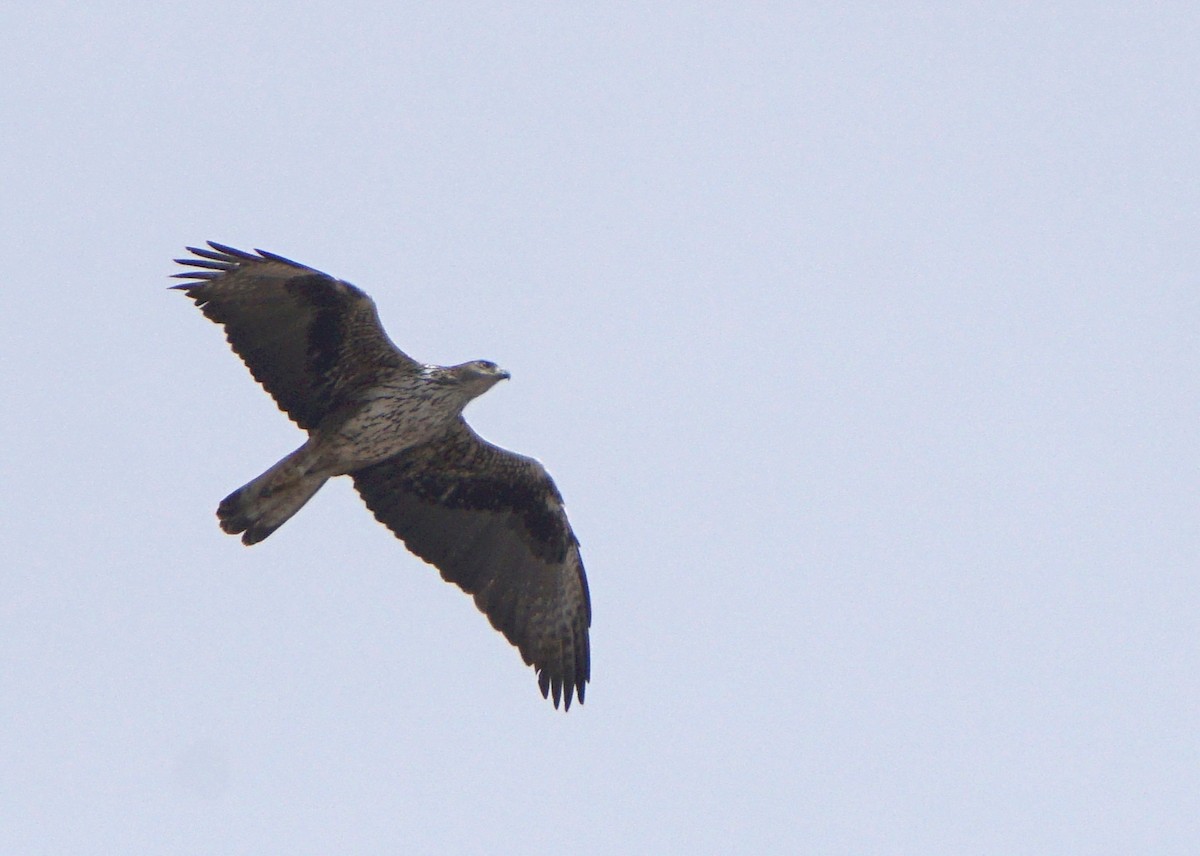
{"x":479,"y":376}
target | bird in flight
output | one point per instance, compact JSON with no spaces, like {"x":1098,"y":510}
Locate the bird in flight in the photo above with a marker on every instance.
{"x":490,"y":520}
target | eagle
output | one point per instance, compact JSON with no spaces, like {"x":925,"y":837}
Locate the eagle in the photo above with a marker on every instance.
{"x":490,"y":520}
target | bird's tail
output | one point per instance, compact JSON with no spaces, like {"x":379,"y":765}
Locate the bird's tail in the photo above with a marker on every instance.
{"x":260,"y":507}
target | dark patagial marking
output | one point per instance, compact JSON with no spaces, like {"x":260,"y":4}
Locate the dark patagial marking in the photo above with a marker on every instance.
{"x":325,"y":335}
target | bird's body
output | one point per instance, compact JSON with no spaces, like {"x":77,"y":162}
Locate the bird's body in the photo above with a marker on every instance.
{"x":405,"y":408}
{"x":490,"y":520}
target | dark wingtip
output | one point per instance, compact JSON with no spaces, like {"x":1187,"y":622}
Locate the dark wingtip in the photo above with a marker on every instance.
{"x":275,"y":257}
{"x":223,"y":259}
{"x":559,"y":691}
{"x":224,"y":248}
{"x":209,"y":264}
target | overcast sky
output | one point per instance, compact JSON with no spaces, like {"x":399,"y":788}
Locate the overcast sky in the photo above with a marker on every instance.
{"x":862,"y":345}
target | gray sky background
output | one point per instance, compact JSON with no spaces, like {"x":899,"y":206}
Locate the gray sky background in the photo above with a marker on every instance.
{"x":862,"y":344}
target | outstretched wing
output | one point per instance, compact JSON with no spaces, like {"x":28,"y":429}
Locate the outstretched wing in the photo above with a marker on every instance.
{"x":493,"y":523}
{"x":309,"y":339}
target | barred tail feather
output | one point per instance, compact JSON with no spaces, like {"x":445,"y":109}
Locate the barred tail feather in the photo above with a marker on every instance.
{"x":261,"y":506}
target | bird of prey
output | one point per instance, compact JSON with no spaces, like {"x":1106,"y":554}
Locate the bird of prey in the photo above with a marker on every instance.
{"x":490,"y":520}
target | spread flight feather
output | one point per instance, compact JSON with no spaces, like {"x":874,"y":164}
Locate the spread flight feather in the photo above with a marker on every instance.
{"x":490,"y":520}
